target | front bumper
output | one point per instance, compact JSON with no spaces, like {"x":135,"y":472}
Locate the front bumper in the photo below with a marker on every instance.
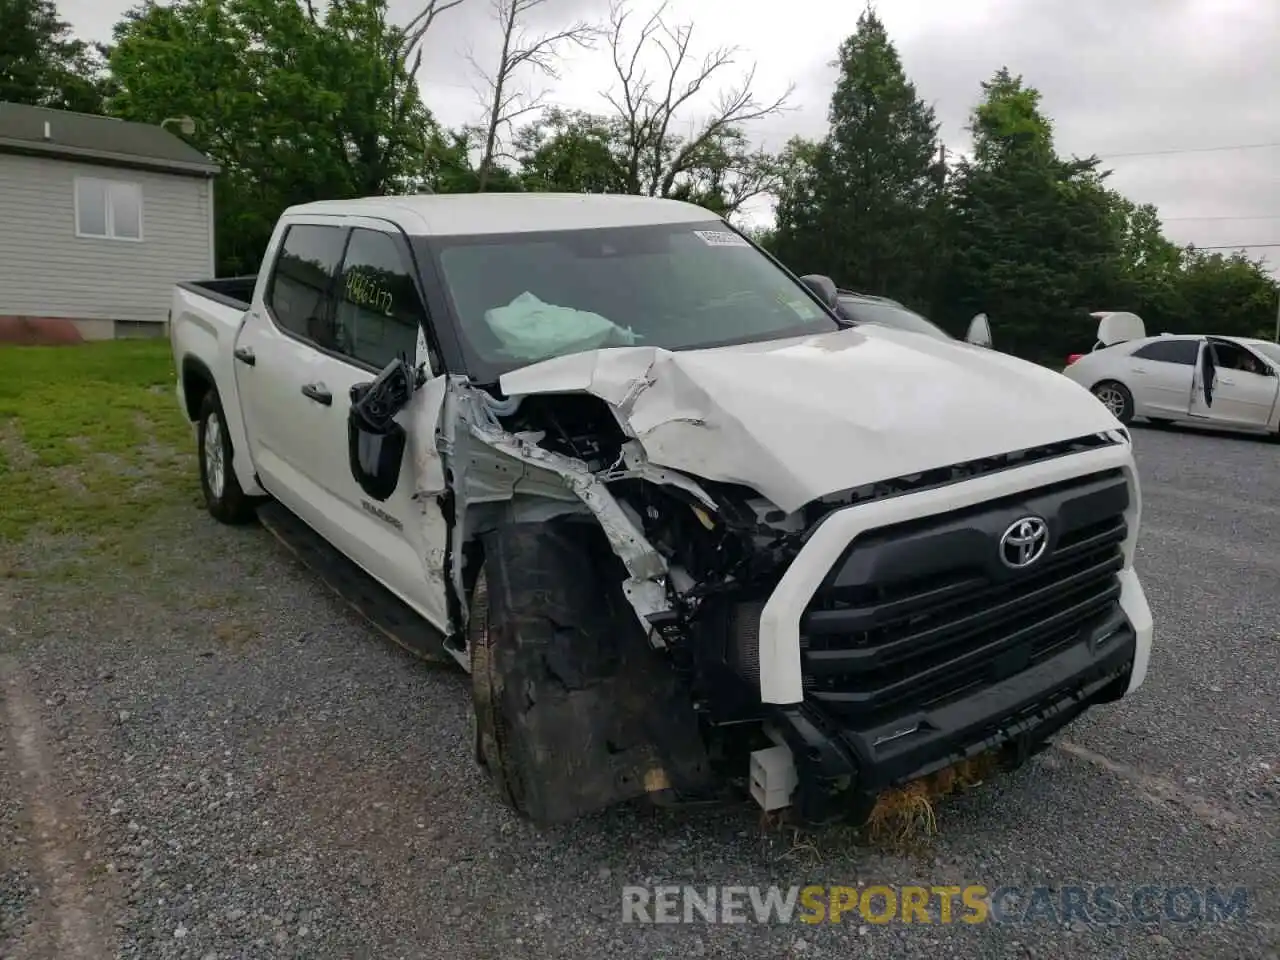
{"x":841,"y":772}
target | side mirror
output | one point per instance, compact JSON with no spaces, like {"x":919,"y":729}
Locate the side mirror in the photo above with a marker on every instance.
{"x":375,"y":442}
{"x":979,"y":331}
{"x":824,"y":287}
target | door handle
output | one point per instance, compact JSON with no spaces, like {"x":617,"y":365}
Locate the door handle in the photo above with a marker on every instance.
{"x":1227,"y":380}
{"x":317,"y":392}
{"x":245,"y":356}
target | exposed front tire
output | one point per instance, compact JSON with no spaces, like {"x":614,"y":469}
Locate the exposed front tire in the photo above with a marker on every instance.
{"x":223,"y":497}
{"x":1115,"y":397}
{"x":573,"y":709}
{"x":488,"y":727}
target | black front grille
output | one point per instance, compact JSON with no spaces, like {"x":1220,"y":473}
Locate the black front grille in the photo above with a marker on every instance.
{"x":920,"y":614}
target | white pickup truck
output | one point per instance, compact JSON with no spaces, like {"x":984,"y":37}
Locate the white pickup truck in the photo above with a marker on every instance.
{"x":688,"y":529}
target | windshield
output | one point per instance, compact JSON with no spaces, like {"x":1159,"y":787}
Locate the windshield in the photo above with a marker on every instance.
{"x":890,"y":315}
{"x":520,"y":298}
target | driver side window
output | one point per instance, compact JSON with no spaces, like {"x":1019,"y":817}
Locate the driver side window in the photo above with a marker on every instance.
{"x":379,"y":313}
{"x":1229,"y":356}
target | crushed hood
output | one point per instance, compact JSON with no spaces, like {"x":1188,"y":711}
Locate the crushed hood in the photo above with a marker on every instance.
{"x":801,"y":418}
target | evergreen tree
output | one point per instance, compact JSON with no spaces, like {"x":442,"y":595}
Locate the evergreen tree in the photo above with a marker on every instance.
{"x":1033,"y":238}
{"x":857,"y":206}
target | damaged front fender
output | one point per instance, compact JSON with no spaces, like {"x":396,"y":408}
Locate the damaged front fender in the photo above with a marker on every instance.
{"x":496,"y":474}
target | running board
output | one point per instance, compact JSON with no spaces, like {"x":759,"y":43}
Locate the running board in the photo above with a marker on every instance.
{"x":374,"y":602}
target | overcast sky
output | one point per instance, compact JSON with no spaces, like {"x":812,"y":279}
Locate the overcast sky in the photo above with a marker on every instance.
{"x":1156,"y":77}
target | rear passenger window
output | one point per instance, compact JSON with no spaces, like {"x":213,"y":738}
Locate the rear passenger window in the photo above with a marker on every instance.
{"x":379,"y":311}
{"x":303,"y":280}
{"x":1170,"y":351}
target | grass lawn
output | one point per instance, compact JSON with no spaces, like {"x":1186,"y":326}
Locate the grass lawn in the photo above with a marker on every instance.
{"x":92,"y":441}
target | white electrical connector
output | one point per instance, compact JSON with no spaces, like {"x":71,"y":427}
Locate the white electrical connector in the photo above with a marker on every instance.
{"x":773,"y":777}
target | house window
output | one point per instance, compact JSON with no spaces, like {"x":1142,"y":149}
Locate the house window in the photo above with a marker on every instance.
{"x":108,"y":208}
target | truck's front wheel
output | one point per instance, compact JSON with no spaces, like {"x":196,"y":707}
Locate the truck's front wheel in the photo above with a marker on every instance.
{"x":492,"y":751}
{"x":574,"y":710}
{"x":223,"y":498}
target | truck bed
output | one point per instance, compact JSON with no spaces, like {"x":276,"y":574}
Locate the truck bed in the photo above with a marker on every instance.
{"x":204,"y":321}
{"x":230,"y":291}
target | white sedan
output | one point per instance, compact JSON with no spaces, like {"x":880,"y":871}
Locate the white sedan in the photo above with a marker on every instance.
{"x":1225,"y":382}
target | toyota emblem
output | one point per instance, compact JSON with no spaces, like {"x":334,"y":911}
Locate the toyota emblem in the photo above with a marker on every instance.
{"x":1024,"y":542}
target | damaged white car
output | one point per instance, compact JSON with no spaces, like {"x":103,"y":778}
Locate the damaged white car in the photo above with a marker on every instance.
{"x":688,"y":529}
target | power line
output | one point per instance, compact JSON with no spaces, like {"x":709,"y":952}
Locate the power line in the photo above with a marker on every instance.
{"x":1265,"y":216}
{"x":1236,"y":246}
{"x":1163,"y":153}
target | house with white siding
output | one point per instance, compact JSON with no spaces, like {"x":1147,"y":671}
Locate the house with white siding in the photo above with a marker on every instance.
{"x":99,"y":218}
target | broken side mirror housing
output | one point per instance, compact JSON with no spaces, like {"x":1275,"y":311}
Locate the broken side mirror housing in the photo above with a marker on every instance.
{"x":823,"y":287}
{"x":979,"y":333}
{"x":375,"y":442}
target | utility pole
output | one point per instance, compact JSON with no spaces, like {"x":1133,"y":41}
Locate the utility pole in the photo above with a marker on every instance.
{"x":1276,"y":338}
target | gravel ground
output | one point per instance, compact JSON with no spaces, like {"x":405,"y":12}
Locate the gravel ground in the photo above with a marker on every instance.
{"x":207,"y":756}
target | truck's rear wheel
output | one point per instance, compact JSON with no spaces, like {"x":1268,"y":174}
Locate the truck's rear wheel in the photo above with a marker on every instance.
{"x":574,"y":711}
{"x":223,"y":497}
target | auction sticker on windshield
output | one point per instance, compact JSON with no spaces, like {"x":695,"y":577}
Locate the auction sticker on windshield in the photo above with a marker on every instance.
{"x":721,"y":238}
{"x":802,"y":308}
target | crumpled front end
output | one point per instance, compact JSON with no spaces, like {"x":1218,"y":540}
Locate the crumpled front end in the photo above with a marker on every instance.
{"x":847,"y":616}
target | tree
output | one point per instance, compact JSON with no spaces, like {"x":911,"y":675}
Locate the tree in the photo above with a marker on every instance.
{"x":295,"y":105}
{"x":1032,"y":237}
{"x":1144,"y":278}
{"x":451,"y":170}
{"x":656,"y":160}
{"x":725,"y":172}
{"x":570,"y":151}
{"x":857,"y":205}
{"x":1231,"y":295}
{"x":799,"y":205}
{"x":518,"y":51}
{"x":42,"y":64}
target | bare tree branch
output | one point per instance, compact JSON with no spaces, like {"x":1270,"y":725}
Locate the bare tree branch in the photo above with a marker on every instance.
{"x":540,"y":54}
{"x":655,"y":157}
{"x":416,"y":29}
{"x":733,"y":108}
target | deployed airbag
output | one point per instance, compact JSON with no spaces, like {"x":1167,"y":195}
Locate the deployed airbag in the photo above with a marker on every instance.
{"x":533,"y":330}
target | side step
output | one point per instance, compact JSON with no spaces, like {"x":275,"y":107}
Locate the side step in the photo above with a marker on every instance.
{"x":387,"y":612}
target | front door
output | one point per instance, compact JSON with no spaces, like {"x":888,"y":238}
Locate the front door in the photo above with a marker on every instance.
{"x":1204,"y":385}
{"x":1245,"y":388}
{"x":378,"y":317}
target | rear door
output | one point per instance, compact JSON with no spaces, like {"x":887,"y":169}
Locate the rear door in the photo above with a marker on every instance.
{"x":1160,"y":375}
{"x":379,"y":316}
{"x":276,"y":357}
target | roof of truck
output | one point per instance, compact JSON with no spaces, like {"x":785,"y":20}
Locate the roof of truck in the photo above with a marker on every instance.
{"x":457,"y":214}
